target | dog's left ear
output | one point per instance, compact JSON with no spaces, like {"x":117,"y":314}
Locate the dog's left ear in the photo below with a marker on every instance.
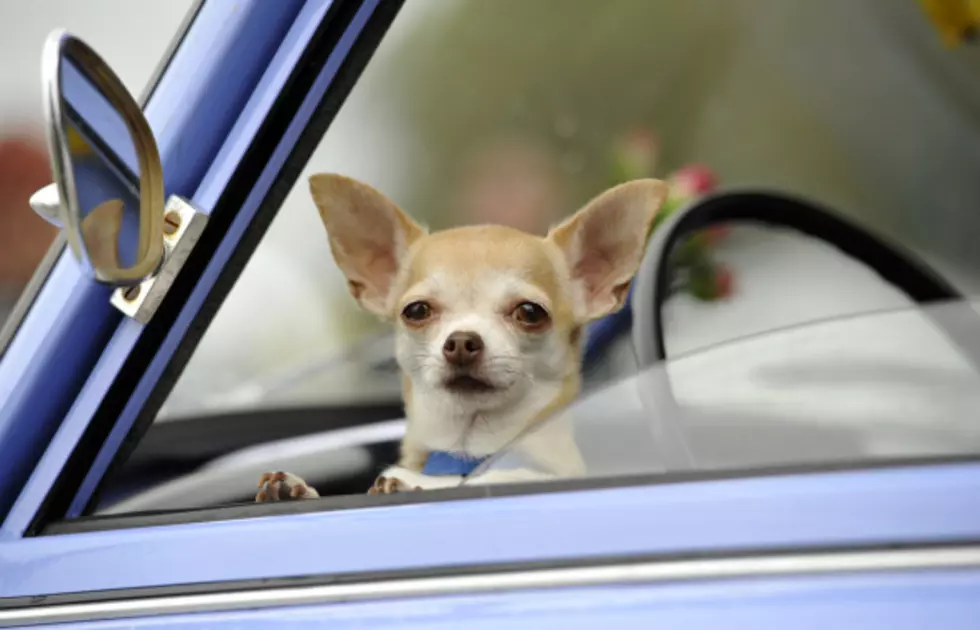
{"x":603,"y":244}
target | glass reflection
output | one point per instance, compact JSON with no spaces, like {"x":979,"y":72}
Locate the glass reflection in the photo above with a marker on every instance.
{"x":856,"y":389}
{"x":105,"y":172}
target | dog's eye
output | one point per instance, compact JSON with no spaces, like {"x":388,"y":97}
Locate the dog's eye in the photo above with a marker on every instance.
{"x":530,"y":315}
{"x":417,"y":312}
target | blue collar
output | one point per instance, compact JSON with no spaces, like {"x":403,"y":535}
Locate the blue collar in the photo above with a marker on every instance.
{"x":441,"y":463}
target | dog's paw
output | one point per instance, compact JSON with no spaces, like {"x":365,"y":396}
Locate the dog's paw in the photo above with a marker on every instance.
{"x":283,"y":486}
{"x":391,"y":485}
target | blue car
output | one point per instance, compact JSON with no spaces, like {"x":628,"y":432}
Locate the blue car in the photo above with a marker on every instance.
{"x":810,"y":464}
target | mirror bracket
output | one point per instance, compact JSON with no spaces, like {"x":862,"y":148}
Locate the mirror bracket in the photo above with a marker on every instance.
{"x":182,"y":228}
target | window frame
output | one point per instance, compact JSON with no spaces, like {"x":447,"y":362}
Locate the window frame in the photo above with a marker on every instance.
{"x":225,"y":513}
{"x":917,"y":505}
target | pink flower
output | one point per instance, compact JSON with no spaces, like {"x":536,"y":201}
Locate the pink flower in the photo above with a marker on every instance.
{"x":724,"y":282}
{"x":692,"y":181}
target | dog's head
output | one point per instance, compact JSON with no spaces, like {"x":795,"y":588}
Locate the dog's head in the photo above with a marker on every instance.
{"x":488,"y":318}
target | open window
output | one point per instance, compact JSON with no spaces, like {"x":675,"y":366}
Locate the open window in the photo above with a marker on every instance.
{"x":258,"y":359}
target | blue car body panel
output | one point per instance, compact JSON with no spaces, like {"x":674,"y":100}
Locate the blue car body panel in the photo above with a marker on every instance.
{"x":916,"y":505}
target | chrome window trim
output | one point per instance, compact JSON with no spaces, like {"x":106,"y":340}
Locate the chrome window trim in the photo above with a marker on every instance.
{"x":622,"y":574}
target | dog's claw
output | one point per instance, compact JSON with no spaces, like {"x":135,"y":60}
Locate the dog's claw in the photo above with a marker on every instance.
{"x":390,"y":485}
{"x":283,"y":486}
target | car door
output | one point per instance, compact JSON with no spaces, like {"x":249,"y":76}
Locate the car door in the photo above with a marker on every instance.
{"x":247,"y":91}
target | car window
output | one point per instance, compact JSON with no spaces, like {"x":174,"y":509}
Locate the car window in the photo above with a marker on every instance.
{"x":895,"y":385}
{"x":851,"y":390}
{"x":517,"y":113}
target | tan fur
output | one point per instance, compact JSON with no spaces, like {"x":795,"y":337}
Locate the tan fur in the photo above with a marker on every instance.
{"x":472,"y":250}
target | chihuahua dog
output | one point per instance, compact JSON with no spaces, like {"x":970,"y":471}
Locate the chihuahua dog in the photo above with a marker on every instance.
{"x":488,"y":324}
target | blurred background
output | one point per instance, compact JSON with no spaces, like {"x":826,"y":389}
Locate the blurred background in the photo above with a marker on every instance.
{"x":518,"y":112}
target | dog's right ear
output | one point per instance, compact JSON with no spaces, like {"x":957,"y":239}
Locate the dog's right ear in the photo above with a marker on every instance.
{"x":369,"y":236}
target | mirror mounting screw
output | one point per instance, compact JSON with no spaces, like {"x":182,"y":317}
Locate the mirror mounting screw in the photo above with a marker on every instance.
{"x":171,"y":223}
{"x":131,"y":293}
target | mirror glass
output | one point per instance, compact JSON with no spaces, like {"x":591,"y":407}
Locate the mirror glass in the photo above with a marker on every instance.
{"x":106,"y":166}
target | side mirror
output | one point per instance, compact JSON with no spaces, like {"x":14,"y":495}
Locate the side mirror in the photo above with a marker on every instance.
{"x":105,"y":162}
{"x":108,"y":194}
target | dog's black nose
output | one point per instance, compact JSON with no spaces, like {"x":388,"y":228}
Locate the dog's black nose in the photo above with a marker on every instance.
{"x":462,"y":348}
